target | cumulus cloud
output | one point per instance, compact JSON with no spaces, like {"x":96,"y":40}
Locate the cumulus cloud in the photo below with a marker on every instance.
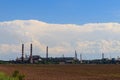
{"x":61,"y":38}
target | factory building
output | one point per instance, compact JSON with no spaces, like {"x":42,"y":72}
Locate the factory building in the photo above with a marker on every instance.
{"x":28,"y":59}
{"x":32,"y":59}
{"x":36,"y":59}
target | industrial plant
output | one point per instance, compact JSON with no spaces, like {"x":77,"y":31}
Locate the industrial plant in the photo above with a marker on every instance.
{"x":37,"y":59}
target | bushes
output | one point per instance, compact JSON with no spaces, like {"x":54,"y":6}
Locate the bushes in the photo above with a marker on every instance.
{"x":15,"y":76}
{"x":5,"y":77}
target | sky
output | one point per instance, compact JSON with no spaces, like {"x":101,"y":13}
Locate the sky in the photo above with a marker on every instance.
{"x":88,"y":26}
{"x":61,"y":11}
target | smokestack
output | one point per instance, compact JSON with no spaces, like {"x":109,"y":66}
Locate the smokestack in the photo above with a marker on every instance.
{"x":75,"y":55}
{"x":47,"y":52}
{"x":22,"y":52}
{"x":80,"y":58}
{"x":102,"y":55}
{"x":63,"y":56}
{"x":31,"y":60}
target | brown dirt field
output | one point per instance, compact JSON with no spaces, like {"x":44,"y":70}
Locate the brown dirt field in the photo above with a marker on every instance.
{"x":65,"y":72}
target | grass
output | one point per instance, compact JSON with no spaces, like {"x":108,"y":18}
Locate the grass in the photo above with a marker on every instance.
{"x":15,"y":76}
{"x":5,"y":77}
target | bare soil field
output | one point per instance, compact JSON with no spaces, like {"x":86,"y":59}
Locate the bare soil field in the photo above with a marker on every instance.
{"x":65,"y":72}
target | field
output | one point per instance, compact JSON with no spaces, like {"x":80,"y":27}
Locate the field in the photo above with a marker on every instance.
{"x":65,"y":72}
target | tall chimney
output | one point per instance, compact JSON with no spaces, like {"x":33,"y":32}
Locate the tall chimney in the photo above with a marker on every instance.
{"x":80,"y":58}
{"x":22,"y":52}
{"x":75,"y":55}
{"x":102,"y":55}
{"x":31,"y":60}
{"x":63,"y":56}
{"x":47,"y":52}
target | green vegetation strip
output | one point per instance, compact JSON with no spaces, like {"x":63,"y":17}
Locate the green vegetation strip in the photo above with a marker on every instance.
{"x":5,"y":77}
{"x":15,"y":76}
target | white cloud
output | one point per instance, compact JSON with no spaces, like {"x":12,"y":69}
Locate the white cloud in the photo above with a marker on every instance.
{"x":61,"y":38}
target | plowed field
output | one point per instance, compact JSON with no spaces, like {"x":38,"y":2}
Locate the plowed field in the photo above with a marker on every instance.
{"x":65,"y":72}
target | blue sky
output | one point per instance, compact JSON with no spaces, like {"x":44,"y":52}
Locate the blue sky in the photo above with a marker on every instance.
{"x":61,"y":11}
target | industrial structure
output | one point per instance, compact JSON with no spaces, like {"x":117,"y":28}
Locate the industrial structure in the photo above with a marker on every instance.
{"x":81,"y":58}
{"x":28,"y":59}
{"x":37,"y":59}
{"x":32,"y":59}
